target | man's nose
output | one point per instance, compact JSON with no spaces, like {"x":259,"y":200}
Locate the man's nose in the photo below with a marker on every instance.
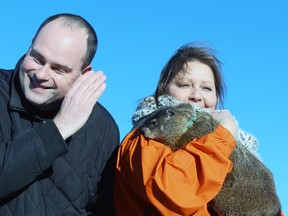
{"x":43,"y":73}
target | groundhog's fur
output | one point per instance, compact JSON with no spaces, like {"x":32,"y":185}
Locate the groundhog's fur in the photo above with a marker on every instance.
{"x":248,"y":190}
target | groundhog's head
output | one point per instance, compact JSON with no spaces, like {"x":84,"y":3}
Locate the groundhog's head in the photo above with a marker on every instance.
{"x":168,"y":123}
{"x":177,"y":125}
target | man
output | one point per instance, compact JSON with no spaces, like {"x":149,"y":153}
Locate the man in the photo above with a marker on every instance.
{"x":58,"y":144}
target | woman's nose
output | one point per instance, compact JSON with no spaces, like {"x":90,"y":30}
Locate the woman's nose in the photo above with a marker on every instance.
{"x":195,"y":95}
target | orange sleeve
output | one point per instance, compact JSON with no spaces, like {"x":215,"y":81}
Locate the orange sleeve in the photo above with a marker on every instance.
{"x":150,"y":176}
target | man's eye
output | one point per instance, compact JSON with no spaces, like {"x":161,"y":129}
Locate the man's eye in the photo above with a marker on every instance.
{"x":59,"y":70}
{"x":37,"y":60}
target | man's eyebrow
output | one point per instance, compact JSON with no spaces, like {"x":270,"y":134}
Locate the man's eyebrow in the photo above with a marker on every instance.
{"x":56,"y":65}
{"x":35,"y":52}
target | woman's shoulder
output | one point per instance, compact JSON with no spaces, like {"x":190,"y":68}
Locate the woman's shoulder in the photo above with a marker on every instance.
{"x":249,"y":141}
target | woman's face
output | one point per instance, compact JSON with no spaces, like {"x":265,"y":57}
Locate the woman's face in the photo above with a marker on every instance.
{"x":196,"y":84}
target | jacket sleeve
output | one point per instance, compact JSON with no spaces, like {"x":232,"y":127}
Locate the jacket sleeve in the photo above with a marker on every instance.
{"x":178,"y":183}
{"x":109,"y":138}
{"x":27,"y":155}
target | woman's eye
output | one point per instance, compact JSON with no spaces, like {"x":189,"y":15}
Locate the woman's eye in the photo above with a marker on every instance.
{"x":206,"y":88}
{"x":184,"y":85}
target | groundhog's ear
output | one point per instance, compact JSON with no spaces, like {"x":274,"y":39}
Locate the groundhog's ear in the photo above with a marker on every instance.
{"x":170,"y":112}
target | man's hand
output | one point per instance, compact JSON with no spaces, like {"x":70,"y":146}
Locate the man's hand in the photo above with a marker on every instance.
{"x":79,"y":102}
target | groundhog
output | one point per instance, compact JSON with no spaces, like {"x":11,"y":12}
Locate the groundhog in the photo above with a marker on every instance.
{"x":249,"y":189}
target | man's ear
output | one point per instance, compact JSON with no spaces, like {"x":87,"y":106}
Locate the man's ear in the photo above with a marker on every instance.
{"x":88,"y":68}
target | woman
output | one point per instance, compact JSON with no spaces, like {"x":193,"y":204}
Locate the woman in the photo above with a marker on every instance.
{"x":150,"y":179}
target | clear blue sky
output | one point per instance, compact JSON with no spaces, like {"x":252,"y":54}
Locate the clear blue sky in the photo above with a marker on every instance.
{"x":137,"y":37}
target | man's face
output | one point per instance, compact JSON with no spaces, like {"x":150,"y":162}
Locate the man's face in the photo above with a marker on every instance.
{"x":52,"y":64}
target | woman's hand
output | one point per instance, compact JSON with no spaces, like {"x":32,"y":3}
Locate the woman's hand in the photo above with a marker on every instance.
{"x":227,"y":120}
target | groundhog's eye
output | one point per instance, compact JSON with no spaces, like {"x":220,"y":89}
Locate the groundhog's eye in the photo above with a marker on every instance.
{"x":153,"y":121}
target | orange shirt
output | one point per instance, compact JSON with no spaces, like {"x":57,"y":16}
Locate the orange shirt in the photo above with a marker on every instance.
{"x":150,"y":178}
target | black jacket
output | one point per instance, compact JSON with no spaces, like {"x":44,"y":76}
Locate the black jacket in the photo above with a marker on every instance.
{"x":40,"y":173}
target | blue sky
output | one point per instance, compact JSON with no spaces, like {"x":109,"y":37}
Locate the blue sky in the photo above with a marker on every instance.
{"x":136,"y":38}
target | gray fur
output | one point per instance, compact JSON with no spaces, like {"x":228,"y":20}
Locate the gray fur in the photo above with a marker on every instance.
{"x":249,"y":189}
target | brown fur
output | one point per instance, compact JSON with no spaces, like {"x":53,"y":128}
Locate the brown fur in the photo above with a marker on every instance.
{"x":249,"y":189}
